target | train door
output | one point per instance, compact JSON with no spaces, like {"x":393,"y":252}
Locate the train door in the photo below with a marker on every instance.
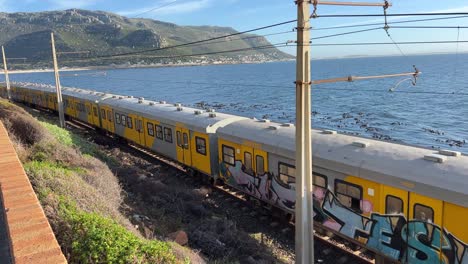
{"x":110,"y":119}
{"x":140,"y":130}
{"x":423,"y":233}
{"x":260,"y":162}
{"x":95,"y":117}
{"x":248,"y":160}
{"x":104,"y":121}
{"x":183,"y":146}
{"x":89,"y":113}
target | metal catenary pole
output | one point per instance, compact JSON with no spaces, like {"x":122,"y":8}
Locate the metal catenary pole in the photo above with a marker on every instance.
{"x":303,"y":214}
{"x":57,"y":83}
{"x":7,"y":78}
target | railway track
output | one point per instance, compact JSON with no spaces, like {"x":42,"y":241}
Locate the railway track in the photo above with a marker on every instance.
{"x":342,"y":251}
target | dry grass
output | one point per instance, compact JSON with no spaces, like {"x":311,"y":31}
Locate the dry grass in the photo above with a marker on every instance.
{"x":63,"y":171}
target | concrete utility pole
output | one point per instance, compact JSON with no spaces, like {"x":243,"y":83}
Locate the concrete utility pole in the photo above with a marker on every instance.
{"x":304,"y":203}
{"x":304,"y":176}
{"x":57,"y":83}
{"x":7,"y":78}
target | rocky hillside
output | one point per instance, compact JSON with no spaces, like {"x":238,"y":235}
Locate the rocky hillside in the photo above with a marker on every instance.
{"x":27,"y":35}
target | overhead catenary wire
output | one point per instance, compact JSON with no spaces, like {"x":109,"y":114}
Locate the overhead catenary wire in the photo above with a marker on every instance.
{"x":269,"y":46}
{"x":389,"y":43}
{"x":389,"y":22}
{"x":196,"y":42}
{"x":317,"y":87}
{"x":392,"y":15}
{"x":155,"y":8}
{"x":346,"y":33}
{"x":256,"y":29}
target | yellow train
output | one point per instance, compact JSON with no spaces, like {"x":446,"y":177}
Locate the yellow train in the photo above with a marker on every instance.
{"x":404,"y":202}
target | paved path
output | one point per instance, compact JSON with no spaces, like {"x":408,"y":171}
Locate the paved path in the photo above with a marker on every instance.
{"x":5,"y":256}
{"x":23,"y":224}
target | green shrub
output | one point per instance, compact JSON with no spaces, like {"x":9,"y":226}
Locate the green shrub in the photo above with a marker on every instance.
{"x":46,"y":169}
{"x":70,"y":139}
{"x":96,"y":239}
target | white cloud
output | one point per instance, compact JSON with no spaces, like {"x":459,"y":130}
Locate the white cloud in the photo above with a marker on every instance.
{"x":176,"y":8}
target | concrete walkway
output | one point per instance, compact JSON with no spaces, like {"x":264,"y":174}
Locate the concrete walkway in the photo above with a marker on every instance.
{"x":5,"y":256}
{"x":24,"y":229}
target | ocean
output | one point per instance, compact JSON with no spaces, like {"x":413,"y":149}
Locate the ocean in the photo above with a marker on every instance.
{"x":433,"y":113}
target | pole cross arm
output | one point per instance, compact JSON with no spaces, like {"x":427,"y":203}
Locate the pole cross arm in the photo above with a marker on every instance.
{"x":350,"y":3}
{"x":359,"y":78}
{"x":385,"y":5}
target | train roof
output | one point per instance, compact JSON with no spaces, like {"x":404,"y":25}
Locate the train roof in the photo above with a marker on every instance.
{"x":66,"y":91}
{"x":85,"y":94}
{"x":34,"y":86}
{"x":393,"y":164}
{"x":174,"y":114}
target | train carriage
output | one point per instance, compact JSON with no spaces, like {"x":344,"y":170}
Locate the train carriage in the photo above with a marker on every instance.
{"x":405,"y":202}
{"x":184,"y":134}
{"x":84,"y":105}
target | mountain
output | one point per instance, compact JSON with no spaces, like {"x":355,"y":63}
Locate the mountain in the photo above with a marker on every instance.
{"x":81,"y":35}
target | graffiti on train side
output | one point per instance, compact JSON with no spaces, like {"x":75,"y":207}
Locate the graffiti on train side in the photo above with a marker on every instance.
{"x":264,"y":187}
{"x":412,"y":241}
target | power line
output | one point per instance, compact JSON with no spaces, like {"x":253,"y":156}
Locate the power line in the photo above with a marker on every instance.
{"x":430,"y":27}
{"x":195,"y":42}
{"x":346,"y":33}
{"x":390,"y":43}
{"x":244,"y":38}
{"x":156,"y":8}
{"x":270,"y":46}
{"x":393,"y":15}
{"x":283,"y":86}
{"x":395,"y":22}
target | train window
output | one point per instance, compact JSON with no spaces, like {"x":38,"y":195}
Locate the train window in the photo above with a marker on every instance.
{"x":229,"y":155}
{"x":423,"y":213}
{"x":287,"y":173}
{"x":129,"y":122}
{"x":117,"y":118}
{"x":124,"y":120}
{"x":186,"y":143}
{"x":349,"y":194}
{"x":200,"y":145}
{"x":248,"y":162}
{"x":150,"y":127}
{"x":319,"y":180}
{"x":260,"y":165}
{"x":103,"y":114}
{"x":88,"y":109}
{"x":168,"y":134}
{"x":95,"y":111}
{"x":393,"y":205}
{"x":109,"y":115}
{"x":159,"y":132}
{"x":179,"y":139}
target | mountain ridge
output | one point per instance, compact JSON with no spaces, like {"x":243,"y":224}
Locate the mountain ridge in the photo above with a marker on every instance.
{"x":88,"y":34}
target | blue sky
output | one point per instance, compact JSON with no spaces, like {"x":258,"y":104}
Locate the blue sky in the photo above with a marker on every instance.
{"x":246,"y":14}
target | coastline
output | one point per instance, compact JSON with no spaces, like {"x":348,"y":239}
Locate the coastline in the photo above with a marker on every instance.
{"x":136,"y":66}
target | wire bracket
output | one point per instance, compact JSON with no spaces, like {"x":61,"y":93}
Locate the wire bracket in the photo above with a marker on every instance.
{"x":302,"y":83}
{"x":415,"y":75}
{"x":386,"y":26}
{"x":314,"y":12}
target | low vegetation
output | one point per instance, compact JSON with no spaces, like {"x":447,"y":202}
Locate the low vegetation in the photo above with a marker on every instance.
{"x":80,"y":195}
